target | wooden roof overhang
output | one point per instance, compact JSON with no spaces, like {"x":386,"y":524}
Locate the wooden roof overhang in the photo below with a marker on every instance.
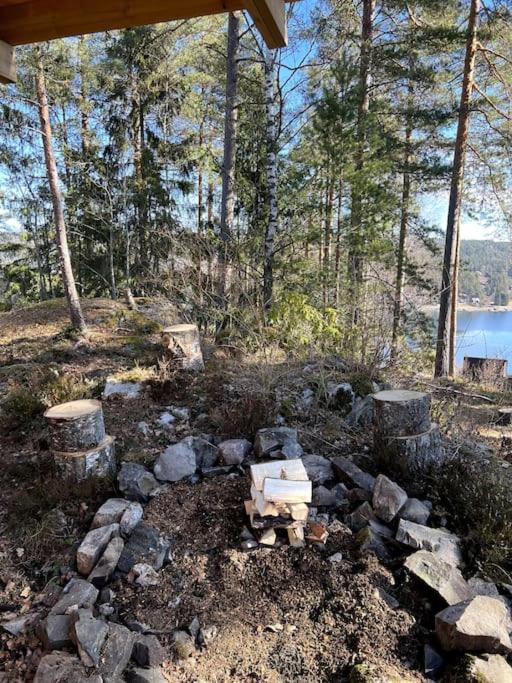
{"x":33,"y":21}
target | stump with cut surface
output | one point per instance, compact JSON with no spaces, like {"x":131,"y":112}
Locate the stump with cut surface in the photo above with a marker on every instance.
{"x":409,"y":456}
{"x":504,"y":417}
{"x":183,"y":346}
{"x":99,"y":461}
{"x":76,"y":425}
{"x":401,"y":413}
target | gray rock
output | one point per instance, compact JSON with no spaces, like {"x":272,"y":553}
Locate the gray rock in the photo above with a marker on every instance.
{"x":110,"y":512}
{"x":146,"y":676}
{"x":306,"y":401}
{"x":340,"y":495}
{"x":323,"y":497}
{"x":290,"y":451}
{"x":88,"y":634}
{"x":136,"y":482}
{"x":271,"y":441}
{"x":389,"y":599}
{"x":107,"y":563}
{"x":351,"y":475}
{"x":335,"y":559}
{"x":440,"y":576}
{"x":176,"y":462}
{"x":359,"y":496}
{"x":234,"y":451}
{"x":130,"y":518}
{"x":433,"y":662}
{"x":148,"y":652}
{"x":61,"y":667}
{"x":106,"y":596}
{"x":144,"y":575}
{"x":180,"y":412}
{"x":481,"y":587}
{"x":166,"y":420}
{"x":207,"y":635}
{"x":206,"y":452}
{"x":441,"y":542}
{"x":370,"y":541}
{"x":415,"y":511}
{"x":476,"y":625}
{"x":144,"y":545}
{"x":388,"y":498}
{"x":361,"y":517}
{"x":340,"y":396}
{"x":184,"y":645}
{"x":319,"y":469}
{"x":488,"y":669}
{"x":54,"y":631}
{"x":361,"y":415}
{"x":93,"y":546}
{"x":144,"y":428}
{"x":21,"y":624}
{"x":76,"y":594}
{"x":123,"y":389}
{"x":116,"y":652}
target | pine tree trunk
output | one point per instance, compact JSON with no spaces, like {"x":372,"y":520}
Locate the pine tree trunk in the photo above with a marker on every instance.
{"x":272,"y":178}
{"x":68,"y":280}
{"x":200,"y":180}
{"x":327,"y":239}
{"x":337,"y":258}
{"x":444,"y":350}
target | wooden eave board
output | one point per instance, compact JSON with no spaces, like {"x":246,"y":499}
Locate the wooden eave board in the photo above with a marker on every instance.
{"x":278,"y":469}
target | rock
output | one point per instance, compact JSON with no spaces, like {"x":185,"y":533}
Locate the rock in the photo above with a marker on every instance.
{"x":110,"y":512}
{"x":144,"y":575}
{"x":148,"y":652}
{"x":209,"y":472}
{"x":415,"y":511}
{"x":234,"y":451}
{"x":361,"y":415}
{"x":441,"y":576}
{"x":106,"y":610}
{"x":389,"y":599}
{"x":276,"y":442}
{"x":181,"y":413}
{"x":323,"y":497}
{"x":249,"y":544}
{"x":184,"y":645}
{"x":481,"y":587}
{"x":358,"y":496}
{"x":361,"y":517}
{"x":21,"y":624}
{"x":306,"y":401}
{"x":335,"y":559}
{"x":61,"y":667}
{"x":476,"y":625}
{"x":207,"y":453}
{"x":350,"y":474}
{"x":388,"y":498}
{"x":176,"y":462}
{"x":107,"y":563}
{"x":124,"y":389}
{"x":207,"y":635}
{"x":369,"y":541}
{"x":106,"y":596}
{"x":146,"y":676}
{"x":144,"y":545}
{"x":319,"y":469}
{"x":340,"y":495}
{"x":93,"y":546}
{"x":485,"y":669}
{"x":130,"y":518}
{"x":116,"y":652}
{"x":88,"y":634}
{"x":144,"y":429}
{"x":54,"y":631}
{"x":340,"y":396}
{"x":444,"y":544}
{"x":433,"y":662}
{"x":77,"y":593}
{"x":166,"y":420}
{"x":136,"y":482}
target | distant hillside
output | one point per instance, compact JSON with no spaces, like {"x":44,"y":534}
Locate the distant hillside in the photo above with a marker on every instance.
{"x":486,"y":271}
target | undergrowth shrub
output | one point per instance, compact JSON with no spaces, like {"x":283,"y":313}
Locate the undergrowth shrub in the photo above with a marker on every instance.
{"x":244,"y":416}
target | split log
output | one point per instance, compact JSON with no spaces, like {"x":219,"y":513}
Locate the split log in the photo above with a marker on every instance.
{"x":99,"y":461}
{"x":410,"y":456}
{"x":285,"y":491}
{"x":76,"y":425}
{"x":282,"y":522}
{"x":293,"y":470}
{"x":296,"y":537}
{"x":401,"y":413}
{"x":183,"y":346}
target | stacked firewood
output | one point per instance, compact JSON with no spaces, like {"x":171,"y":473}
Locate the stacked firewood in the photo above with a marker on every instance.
{"x":280,"y":493}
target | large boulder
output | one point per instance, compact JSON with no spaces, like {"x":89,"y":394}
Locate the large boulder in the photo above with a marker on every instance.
{"x":136,"y":482}
{"x":116,"y":652}
{"x":176,"y":462}
{"x":441,"y":542}
{"x":388,"y":498}
{"x":484,"y":669}
{"x":442,"y":577}
{"x":61,"y":667}
{"x":278,"y":442}
{"x":476,"y":625}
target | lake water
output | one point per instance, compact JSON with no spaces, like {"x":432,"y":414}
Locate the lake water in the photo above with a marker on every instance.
{"x":485,"y":334}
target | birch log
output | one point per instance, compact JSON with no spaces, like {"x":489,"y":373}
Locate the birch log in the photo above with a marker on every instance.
{"x":401,"y":413}
{"x":76,"y":425}
{"x":183,"y":346}
{"x":99,"y":461}
{"x":410,"y":456}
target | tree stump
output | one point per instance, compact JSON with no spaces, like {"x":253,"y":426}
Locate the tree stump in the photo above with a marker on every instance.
{"x":99,"y":461}
{"x":401,"y":413}
{"x":410,"y":456}
{"x":183,"y":346}
{"x":504,"y":417}
{"x":76,"y":425}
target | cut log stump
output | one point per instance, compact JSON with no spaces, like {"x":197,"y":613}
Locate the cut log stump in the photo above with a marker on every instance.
{"x":76,"y":425}
{"x":401,"y":413}
{"x":183,"y":346}
{"x":504,"y":417}
{"x":410,"y":456}
{"x":99,"y":461}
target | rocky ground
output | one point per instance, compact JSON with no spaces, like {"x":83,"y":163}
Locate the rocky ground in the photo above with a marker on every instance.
{"x":176,"y":596}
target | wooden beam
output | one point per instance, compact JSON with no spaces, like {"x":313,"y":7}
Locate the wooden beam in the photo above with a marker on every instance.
{"x":270,"y":18}
{"x":7,"y":63}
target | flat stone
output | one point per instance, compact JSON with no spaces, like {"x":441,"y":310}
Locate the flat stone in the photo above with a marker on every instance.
{"x":21,"y":624}
{"x":476,"y":625}
{"x":148,"y":652}
{"x":54,"y":631}
{"x":76,"y":594}
{"x":176,"y":462}
{"x":116,"y":652}
{"x":388,"y":498}
{"x":323,"y":497}
{"x":271,"y":441}
{"x":481,"y":587}
{"x":107,"y":563}
{"x":144,"y":575}
{"x":127,"y":390}
{"x":110,"y":512}
{"x":61,"y":667}
{"x":93,"y":546}
{"x":319,"y":469}
{"x":88,"y":634}
{"x":144,"y":545}
{"x":415,"y":511}
{"x":234,"y":451}
{"x":351,"y":475}
{"x":136,"y":482}
{"x":146,"y":676}
{"x":488,"y":669}
{"x":361,"y":517}
{"x":440,"y":576}
{"x":130,"y":518}
{"x":439,"y":541}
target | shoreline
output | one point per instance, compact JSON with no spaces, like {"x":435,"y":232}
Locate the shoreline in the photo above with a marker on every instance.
{"x":469,"y":308}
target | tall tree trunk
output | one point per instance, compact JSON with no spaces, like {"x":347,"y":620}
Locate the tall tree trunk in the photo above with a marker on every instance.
{"x":447,"y":309}
{"x":329,"y":196}
{"x":272,"y":178}
{"x":68,"y":280}
{"x":200,"y":207}
{"x":337,"y":257}
{"x":356,"y":214}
